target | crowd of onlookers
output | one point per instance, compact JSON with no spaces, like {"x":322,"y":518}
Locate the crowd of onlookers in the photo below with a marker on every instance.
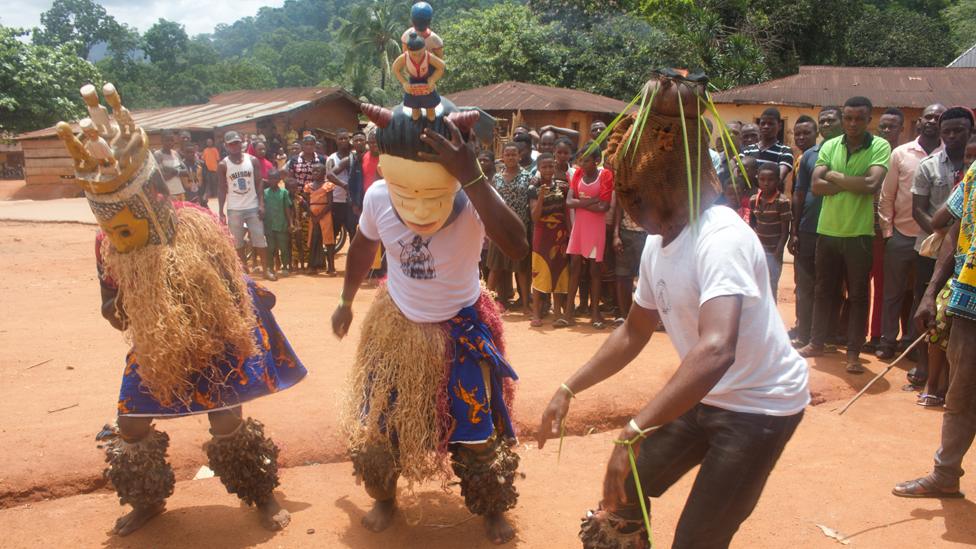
{"x":854,"y":209}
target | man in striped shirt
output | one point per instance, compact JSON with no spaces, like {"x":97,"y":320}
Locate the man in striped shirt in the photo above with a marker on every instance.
{"x":769,"y":149}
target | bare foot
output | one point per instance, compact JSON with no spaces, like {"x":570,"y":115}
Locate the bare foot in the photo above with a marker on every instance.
{"x":498,"y":529}
{"x":136,"y":519}
{"x":273,"y":516}
{"x":380,"y":516}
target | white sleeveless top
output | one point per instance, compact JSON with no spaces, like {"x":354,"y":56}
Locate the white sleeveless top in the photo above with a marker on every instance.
{"x":172,"y":160}
{"x":241,"y":192}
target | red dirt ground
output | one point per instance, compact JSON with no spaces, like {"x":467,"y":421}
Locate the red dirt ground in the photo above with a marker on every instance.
{"x":62,"y":364}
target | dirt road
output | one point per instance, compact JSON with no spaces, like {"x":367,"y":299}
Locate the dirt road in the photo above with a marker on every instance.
{"x":62,"y":364}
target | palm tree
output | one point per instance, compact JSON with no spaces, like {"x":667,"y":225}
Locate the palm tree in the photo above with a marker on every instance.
{"x":372,"y":34}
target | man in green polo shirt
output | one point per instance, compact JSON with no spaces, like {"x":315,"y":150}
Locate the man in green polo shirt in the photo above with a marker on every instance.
{"x":849,"y":172}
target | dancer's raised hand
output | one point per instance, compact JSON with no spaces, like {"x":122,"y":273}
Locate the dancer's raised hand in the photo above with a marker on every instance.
{"x":553,"y":417}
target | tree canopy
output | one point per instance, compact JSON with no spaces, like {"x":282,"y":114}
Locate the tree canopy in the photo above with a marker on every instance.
{"x":603,"y":46}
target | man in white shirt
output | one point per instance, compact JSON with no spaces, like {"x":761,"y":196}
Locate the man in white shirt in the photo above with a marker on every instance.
{"x":241,"y":188}
{"x":740,"y":390}
{"x":433,"y":312}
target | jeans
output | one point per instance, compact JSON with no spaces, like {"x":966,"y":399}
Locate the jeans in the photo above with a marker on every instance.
{"x":840,"y":258}
{"x":959,"y":418}
{"x":899,"y":262}
{"x":736,"y":450}
{"x":775,"y":266}
{"x":804,"y":265}
{"x":236,"y":219}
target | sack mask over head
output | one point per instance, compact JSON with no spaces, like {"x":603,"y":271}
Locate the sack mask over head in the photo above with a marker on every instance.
{"x":422,"y":192}
{"x":113,"y":166}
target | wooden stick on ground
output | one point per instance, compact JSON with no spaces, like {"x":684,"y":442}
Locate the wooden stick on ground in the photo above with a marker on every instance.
{"x":883,"y":372}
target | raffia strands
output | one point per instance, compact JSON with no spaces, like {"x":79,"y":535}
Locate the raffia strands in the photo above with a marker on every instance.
{"x":410,"y":360}
{"x":653,"y":173}
{"x":187,"y":303}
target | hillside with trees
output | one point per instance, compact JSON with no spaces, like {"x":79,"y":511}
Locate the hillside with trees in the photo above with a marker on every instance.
{"x":606,"y":47}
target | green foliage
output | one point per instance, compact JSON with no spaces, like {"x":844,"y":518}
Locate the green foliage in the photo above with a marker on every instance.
{"x":80,"y":21}
{"x":920,"y":41}
{"x":961,"y":18}
{"x":39,"y":84}
{"x":503,"y":42}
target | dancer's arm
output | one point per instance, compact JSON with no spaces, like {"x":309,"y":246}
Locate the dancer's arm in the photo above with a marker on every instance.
{"x":362,"y":251}
{"x":112,"y":308}
{"x":460,"y":159}
{"x":944,"y":267}
{"x":617,"y":351}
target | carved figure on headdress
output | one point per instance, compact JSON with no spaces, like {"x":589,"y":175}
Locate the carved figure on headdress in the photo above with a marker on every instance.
{"x":84,"y":162}
{"x":98,"y":148}
{"x":123,"y":119}
{"x":97,"y":113}
{"x":418,"y":71}
{"x":421,"y":15}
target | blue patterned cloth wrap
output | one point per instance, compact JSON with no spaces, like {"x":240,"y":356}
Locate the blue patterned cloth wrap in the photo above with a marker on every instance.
{"x":273,"y":369}
{"x":475,"y":414}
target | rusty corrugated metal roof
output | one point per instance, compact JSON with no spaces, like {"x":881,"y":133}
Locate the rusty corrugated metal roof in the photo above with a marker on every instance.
{"x":514,"y":96}
{"x":912,"y":87}
{"x":225,"y":109}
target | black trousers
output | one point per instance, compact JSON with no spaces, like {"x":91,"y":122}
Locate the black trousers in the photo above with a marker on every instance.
{"x":805,"y":276}
{"x":343,"y":216}
{"x":839,"y":259}
{"x":736,"y":450}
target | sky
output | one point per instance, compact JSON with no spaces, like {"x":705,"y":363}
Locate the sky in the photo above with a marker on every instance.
{"x":196,"y":15}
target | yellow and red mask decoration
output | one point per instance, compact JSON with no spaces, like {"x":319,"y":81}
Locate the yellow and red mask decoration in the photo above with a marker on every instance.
{"x":422,"y":192}
{"x":113,"y":166}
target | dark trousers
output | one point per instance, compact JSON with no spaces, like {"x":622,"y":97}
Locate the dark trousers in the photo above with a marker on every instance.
{"x":343,"y":216}
{"x":804,"y":270}
{"x":839,"y":259}
{"x":900,"y":258}
{"x":279,"y":242}
{"x":736,"y":450}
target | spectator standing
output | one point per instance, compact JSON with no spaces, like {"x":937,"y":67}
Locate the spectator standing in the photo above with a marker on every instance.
{"x":890,"y":125}
{"x":726,"y":157}
{"x":769,"y":149}
{"x":337,"y":173}
{"x":261,"y":153}
{"x":628,"y":242}
{"x":210,"y":157}
{"x":959,"y":418}
{"x":371,"y":161}
{"x":193,"y":182}
{"x":771,"y":217}
{"x":242,"y":190}
{"x":806,"y":215}
{"x":749,"y":135}
{"x":935,"y":180}
{"x":278,"y":222}
{"x":512,"y":184}
{"x":898,"y":225}
{"x":804,"y":137}
{"x":171,"y":165}
{"x":849,"y":172}
{"x":526,"y":159}
{"x":358,"y":142}
{"x":591,"y":192}
{"x":302,"y":168}
{"x":550,"y":235}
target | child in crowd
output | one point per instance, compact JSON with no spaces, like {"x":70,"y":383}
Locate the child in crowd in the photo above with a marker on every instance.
{"x":550,"y":222}
{"x":321,"y":234}
{"x":299,"y":228}
{"x":771,"y":216}
{"x":512,"y":184}
{"x":278,"y":222}
{"x":590,"y":193}
{"x":564,"y":151}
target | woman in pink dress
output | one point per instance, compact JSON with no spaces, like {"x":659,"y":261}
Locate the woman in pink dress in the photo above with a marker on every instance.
{"x":590,"y":192}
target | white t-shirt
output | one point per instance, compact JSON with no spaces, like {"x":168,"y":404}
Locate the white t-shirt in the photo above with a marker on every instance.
{"x":723,"y":258}
{"x":429,"y":278}
{"x":241,"y":192}
{"x":339,"y":194}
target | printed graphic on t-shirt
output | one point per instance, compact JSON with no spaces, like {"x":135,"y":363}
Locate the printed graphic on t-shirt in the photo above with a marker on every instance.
{"x":242,"y":181}
{"x":416,"y":260}
{"x":663,"y":306}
